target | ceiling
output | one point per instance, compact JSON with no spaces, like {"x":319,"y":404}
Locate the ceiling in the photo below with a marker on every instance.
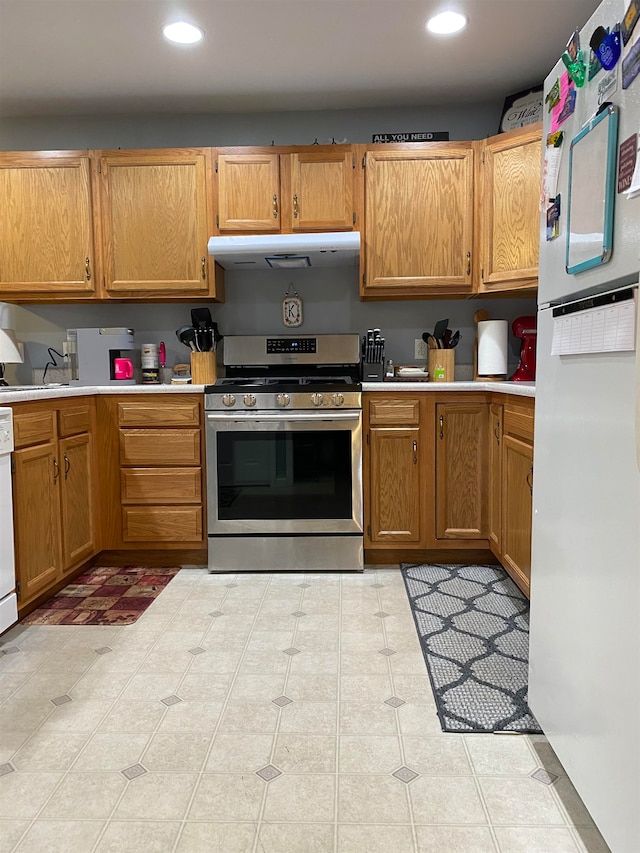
{"x":89,"y":57}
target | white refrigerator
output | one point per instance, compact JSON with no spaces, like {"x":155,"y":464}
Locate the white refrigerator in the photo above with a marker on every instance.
{"x":584,"y":680}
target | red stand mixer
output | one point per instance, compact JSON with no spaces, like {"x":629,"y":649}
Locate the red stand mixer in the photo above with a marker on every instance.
{"x":526,"y":328}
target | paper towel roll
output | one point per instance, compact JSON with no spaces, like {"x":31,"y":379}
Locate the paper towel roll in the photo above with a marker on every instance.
{"x":493,"y":338}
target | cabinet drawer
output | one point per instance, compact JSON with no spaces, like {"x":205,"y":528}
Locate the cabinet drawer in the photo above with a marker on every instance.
{"x":160,"y":447}
{"x":405,"y":410}
{"x":157,"y":485}
{"x":518,"y":422}
{"x":32,"y":428}
{"x":71,"y":421}
{"x":160,"y":413}
{"x":162,"y":524}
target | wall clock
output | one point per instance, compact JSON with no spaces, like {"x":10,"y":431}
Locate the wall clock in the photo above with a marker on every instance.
{"x":291,"y":308}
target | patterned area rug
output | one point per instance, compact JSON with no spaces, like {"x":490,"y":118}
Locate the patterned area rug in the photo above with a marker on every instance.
{"x":473,"y":625}
{"x":104,"y":596}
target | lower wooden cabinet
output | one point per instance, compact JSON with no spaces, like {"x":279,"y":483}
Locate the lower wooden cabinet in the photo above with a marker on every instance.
{"x":517,"y":495}
{"x":495,"y":477}
{"x":153,"y":471}
{"x":394,"y":466}
{"x":36,"y":518}
{"x":54,"y":488}
{"x":461,"y":471}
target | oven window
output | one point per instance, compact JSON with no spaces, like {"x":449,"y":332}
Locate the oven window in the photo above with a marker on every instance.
{"x":284,"y":475}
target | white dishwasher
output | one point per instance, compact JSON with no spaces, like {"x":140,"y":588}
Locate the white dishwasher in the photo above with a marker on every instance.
{"x":8,"y":599}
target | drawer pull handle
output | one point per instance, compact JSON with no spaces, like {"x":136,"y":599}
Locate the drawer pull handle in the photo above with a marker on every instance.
{"x":67,"y":466}
{"x":87,"y":269}
{"x":441,"y":426}
{"x":275,"y":206}
{"x":204,"y":268}
{"x":530,"y":479}
{"x":56,"y":470}
{"x":295,"y":206}
{"x":468,"y":263}
{"x":496,"y":431}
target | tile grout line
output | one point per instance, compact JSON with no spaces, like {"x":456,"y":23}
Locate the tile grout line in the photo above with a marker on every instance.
{"x":338,"y":749}
{"x":256,"y":840}
{"x":478,"y":788}
{"x":222,"y":711}
{"x":152,"y":734}
{"x":66,"y":772}
{"x":414,"y":833}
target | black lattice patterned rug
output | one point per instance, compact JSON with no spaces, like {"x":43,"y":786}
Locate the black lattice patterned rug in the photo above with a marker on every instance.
{"x":473,"y":625}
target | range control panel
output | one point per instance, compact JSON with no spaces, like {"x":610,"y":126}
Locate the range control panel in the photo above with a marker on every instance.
{"x":291,"y":345}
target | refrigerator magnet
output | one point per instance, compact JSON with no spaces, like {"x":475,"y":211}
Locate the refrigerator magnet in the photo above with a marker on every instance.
{"x":553,"y":218}
{"x":629,"y":20}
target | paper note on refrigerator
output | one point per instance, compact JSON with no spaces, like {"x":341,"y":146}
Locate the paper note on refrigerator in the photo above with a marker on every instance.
{"x":610,"y":328}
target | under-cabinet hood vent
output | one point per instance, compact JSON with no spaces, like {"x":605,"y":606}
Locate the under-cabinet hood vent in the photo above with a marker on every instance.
{"x":286,"y":251}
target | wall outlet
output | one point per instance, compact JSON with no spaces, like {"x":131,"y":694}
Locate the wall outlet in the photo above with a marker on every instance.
{"x":421,"y":350}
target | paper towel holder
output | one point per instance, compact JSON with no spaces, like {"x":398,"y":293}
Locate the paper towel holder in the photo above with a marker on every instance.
{"x":481,"y":316}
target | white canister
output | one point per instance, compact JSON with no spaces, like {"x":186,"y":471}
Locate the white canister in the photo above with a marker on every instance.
{"x":149,"y":356}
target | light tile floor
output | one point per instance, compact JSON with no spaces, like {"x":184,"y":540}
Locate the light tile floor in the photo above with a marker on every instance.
{"x":261,"y":713}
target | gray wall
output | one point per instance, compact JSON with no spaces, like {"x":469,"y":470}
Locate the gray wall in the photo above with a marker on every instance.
{"x":253,"y":305}
{"x":463,"y":121}
{"x":330,"y":300}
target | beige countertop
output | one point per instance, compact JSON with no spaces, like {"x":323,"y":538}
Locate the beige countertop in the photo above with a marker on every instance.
{"x":24,"y":393}
{"x":519,"y":389}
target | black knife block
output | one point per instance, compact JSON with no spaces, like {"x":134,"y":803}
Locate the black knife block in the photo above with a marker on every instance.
{"x":372,"y":371}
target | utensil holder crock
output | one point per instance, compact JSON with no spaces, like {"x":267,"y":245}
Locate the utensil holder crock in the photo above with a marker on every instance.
{"x":203,"y":368}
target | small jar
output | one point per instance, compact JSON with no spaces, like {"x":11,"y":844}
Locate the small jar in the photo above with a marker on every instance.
{"x":149,"y":356}
{"x":150,"y":376}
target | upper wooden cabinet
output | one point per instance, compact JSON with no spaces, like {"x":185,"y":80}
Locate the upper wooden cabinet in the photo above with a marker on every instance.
{"x":46,"y":225}
{"x":157,"y":217}
{"x":418,"y":229}
{"x":508,"y":210}
{"x":267,"y":190}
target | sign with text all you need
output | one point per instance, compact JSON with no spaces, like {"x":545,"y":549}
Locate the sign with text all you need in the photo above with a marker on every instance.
{"x":412,"y":136}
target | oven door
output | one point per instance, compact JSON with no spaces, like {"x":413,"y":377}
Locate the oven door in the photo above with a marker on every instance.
{"x":291,"y":473}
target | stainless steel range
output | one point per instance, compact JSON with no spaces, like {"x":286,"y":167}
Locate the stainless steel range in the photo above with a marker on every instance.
{"x":284,"y":455}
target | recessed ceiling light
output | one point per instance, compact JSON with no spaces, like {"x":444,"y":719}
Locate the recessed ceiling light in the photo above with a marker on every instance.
{"x":446,"y":23}
{"x":182,"y":33}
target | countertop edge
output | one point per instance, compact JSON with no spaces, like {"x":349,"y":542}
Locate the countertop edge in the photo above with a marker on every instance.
{"x":517,"y":389}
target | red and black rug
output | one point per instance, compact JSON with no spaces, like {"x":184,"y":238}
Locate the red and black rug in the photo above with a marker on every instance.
{"x":104,"y":596}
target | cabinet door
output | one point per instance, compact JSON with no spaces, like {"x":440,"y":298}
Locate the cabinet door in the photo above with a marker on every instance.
{"x":395,"y":500}
{"x":78,"y":521}
{"x":36,"y":519}
{"x":517,"y":510}
{"x":495,"y":477}
{"x":248,"y":192}
{"x":46,"y":225}
{"x":509,"y":216}
{"x":155,"y":223}
{"x":418,"y":221}
{"x":461,"y":471}
{"x":322,"y":191}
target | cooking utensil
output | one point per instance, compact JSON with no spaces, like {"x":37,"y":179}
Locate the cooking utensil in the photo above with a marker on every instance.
{"x":439,"y":329}
{"x":446,"y":338}
{"x":187,"y":336}
{"x":455,"y":338}
{"x":429,"y":340}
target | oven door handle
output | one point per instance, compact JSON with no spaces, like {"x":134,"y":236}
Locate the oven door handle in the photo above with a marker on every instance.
{"x":269,"y":417}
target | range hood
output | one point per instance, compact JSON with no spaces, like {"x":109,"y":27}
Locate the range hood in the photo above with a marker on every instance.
{"x":286,"y":251}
